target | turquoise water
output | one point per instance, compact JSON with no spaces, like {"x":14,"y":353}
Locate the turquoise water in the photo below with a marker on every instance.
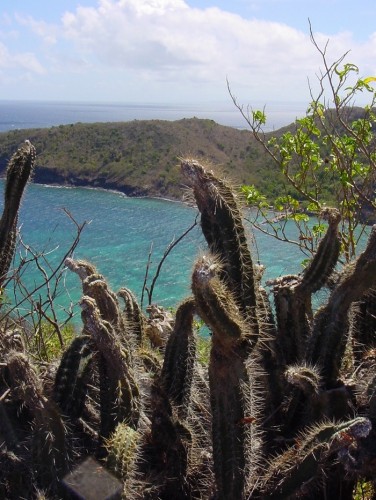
{"x":117,"y":239}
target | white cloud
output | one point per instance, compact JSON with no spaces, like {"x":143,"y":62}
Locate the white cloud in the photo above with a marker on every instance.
{"x":187,"y":49}
{"x":48,"y":32}
{"x":26,"y":61}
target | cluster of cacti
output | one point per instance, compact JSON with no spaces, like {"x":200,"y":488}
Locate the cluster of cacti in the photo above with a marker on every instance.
{"x":285,"y":407}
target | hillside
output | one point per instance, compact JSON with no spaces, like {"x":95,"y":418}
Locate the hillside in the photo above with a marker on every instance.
{"x":140,"y":158}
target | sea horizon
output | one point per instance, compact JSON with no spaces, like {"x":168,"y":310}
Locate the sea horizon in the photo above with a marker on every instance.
{"x":24,"y":114}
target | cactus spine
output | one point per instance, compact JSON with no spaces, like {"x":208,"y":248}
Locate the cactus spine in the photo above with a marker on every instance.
{"x":293,"y":472}
{"x":234,"y":444}
{"x":48,"y":446}
{"x":331,"y":326}
{"x":20,"y":168}
{"x":179,"y":357}
{"x":223,"y":229}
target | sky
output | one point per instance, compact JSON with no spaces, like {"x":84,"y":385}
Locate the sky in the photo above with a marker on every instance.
{"x":178,"y":51}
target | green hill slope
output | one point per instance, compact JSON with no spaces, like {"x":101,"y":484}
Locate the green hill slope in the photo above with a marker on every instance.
{"x":140,"y":158}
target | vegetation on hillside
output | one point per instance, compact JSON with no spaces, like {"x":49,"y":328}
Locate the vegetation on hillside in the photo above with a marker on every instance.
{"x":140,"y":157}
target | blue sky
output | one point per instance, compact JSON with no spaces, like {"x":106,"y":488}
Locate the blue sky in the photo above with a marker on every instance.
{"x":177,"y":51}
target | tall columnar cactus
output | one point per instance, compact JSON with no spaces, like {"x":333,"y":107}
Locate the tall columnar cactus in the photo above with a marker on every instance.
{"x":222,"y":226}
{"x":331,"y":326}
{"x":234,"y":411}
{"x":133,"y":315}
{"x":293,"y":295}
{"x":179,"y":358}
{"x":73,"y":376}
{"x":363,"y":325}
{"x":20,"y":168}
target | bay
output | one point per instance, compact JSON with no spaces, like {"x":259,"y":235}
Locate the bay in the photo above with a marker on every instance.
{"x":117,"y":240}
{"x":121,"y":230}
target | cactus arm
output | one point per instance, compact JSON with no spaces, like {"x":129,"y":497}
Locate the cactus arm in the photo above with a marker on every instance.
{"x":222,"y":226}
{"x":292,"y":472}
{"x":217,"y":306}
{"x":125,"y":398}
{"x":133,"y":315}
{"x":326,"y":256}
{"x":178,"y":365}
{"x":363,"y":325}
{"x":72,"y":377}
{"x":231,"y":393}
{"x":19,"y":170}
{"x":331,"y":326}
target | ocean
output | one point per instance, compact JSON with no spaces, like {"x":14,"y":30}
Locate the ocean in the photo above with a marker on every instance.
{"x":28,"y":114}
{"x":119,"y":232}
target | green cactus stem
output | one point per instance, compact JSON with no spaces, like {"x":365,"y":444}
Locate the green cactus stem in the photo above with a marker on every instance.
{"x":293,"y":473}
{"x":122,"y":450}
{"x":234,"y":415}
{"x":222,"y":226}
{"x":323,"y":263}
{"x":293,"y":295}
{"x":331,"y":326}
{"x":72,"y":377}
{"x":120,"y":397}
{"x":49,"y":454}
{"x":363,"y":325}
{"x":133,"y":315}
{"x":179,"y":356}
{"x":170,"y":445}
{"x":20,"y":168}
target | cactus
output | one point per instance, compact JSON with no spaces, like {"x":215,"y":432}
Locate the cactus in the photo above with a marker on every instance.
{"x":133,"y":314}
{"x":104,"y":322}
{"x":122,"y":450}
{"x":48,"y":447}
{"x":332,"y":322}
{"x":235,"y":445}
{"x":20,"y":168}
{"x":284,"y":408}
{"x":72,"y":377}
{"x":222,"y":226}
{"x":293,"y":472}
{"x":179,"y":356}
{"x":120,"y":395}
{"x":293,"y":294}
{"x":363,"y":325}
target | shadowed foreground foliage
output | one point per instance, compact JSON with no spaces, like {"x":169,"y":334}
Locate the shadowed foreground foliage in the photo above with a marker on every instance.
{"x":285,"y":408}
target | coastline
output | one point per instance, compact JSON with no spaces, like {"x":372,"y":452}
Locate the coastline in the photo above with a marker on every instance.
{"x":118,"y":192}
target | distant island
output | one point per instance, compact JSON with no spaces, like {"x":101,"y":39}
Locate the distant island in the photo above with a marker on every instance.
{"x":140,"y":157}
